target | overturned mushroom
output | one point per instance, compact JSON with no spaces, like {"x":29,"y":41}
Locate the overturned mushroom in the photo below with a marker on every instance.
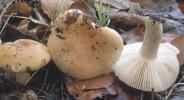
{"x":82,"y":49}
{"x":23,"y":56}
{"x":149,"y":66}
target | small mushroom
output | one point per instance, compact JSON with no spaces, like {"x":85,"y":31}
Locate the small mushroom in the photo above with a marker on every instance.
{"x":23,"y":56}
{"x":82,"y":49}
{"x":149,"y":66}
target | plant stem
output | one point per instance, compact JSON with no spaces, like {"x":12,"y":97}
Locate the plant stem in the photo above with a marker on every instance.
{"x":152,"y":38}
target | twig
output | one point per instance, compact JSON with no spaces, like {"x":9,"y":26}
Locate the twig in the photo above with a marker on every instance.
{"x":172,"y":90}
{"x":4,"y":10}
{"x":159,"y":97}
{"x":152,"y":94}
{"x":30,"y":19}
{"x":2,"y":14}
{"x":44,"y":81}
{"x":4,"y":26}
{"x":41,"y":91}
{"x":142,"y":96}
{"x":40,"y":18}
{"x":28,"y":80}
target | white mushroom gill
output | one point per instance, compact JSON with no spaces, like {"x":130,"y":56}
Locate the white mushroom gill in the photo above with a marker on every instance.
{"x":149,"y":65}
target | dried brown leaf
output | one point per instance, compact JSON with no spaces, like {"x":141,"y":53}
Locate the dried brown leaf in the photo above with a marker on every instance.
{"x":181,"y":6}
{"x":134,"y":35}
{"x":55,"y":7}
{"x":154,"y":4}
{"x":23,"y":8}
{"x":168,"y":37}
{"x":179,"y":43}
{"x":119,"y":4}
{"x":122,"y":95}
{"x":92,"y":88}
{"x":104,"y":86}
{"x":126,"y":20}
{"x":137,"y":35}
{"x":87,"y":6}
{"x":92,"y":95}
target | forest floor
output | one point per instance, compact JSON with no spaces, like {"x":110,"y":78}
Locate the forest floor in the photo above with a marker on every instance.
{"x":27,"y":19}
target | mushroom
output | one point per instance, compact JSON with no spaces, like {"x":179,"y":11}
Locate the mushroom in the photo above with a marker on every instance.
{"x":148,"y":66}
{"x":82,"y":49}
{"x":23,"y":56}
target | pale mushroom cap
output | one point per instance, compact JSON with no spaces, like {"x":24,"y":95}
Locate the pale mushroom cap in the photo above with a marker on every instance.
{"x":146,"y":74}
{"x":84,"y":51}
{"x":23,"y":55}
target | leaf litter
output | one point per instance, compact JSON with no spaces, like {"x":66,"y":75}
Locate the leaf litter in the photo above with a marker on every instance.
{"x":18,"y":19}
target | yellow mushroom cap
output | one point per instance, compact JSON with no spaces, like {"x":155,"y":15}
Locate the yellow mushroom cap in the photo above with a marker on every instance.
{"x":23,"y":55}
{"x":81,"y":49}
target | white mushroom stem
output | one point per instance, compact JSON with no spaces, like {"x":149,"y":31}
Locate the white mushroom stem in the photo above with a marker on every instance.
{"x":152,"y":39}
